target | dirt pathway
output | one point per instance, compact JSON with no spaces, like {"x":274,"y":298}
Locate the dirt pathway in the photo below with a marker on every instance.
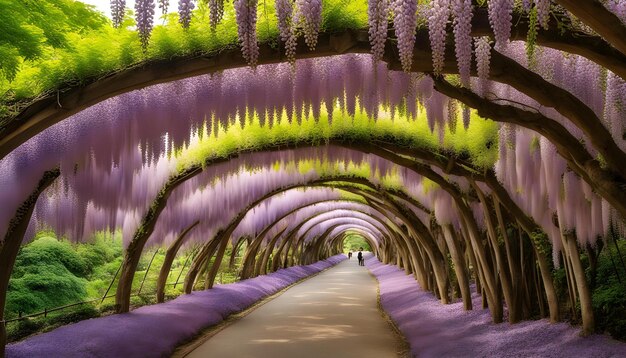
{"x":334,"y":314}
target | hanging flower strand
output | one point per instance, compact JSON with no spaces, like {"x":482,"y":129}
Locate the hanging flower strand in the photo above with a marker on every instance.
{"x":378,"y":13}
{"x":144,"y":16}
{"x":309,"y":17}
{"x":216,"y":12}
{"x":437,"y":22}
{"x":184,"y":12}
{"x":164,"y":6}
{"x":246,"y":14}
{"x":462,"y":10}
{"x":284,"y":14}
{"x":117,"y":12}
{"x":404,"y":24}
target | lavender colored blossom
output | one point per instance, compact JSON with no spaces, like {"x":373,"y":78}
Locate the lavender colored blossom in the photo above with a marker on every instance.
{"x":216,"y":12}
{"x":462,"y":11}
{"x":308,"y":15}
{"x":184,"y":12}
{"x":405,"y":22}
{"x":437,"y":23}
{"x":500,"y":18}
{"x":118,"y":7}
{"x":378,"y":13}
{"x":163,"y":5}
{"x":144,"y":16}
{"x":246,"y":15}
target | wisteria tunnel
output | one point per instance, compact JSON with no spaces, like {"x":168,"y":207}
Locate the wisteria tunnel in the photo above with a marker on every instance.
{"x":168,"y":167}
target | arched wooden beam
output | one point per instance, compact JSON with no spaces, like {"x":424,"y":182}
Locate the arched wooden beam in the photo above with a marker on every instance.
{"x":10,"y":245}
{"x":600,"y":19}
{"x":170,"y":255}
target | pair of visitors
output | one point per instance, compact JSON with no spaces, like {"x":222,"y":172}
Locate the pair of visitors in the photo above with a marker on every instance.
{"x":349,"y":254}
{"x":359,"y":256}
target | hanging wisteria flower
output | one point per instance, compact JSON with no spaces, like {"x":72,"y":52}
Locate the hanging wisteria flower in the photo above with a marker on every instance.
{"x":216,"y":12}
{"x":437,"y":22}
{"x":246,"y":14}
{"x":284,"y":13}
{"x":164,"y":5}
{"x":462,"y":10}
{"x":378,"y":13}
{"x":543,"y":12}
{"x":184,"y":12}
{"x":286,"y":27}
{"x":117,"y":12}
{"x":500,"y":18}
{"x":483,"y":56}
{"x":404,"y":23}
{"x":466,"y":117}
{"x":144,"y":15}
{"x":526,"y":4}
{"x":309,"y":17}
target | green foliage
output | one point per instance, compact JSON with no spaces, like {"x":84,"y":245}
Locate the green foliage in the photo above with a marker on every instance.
{"x":609,"y":300}
{"x":477,"y":144}
{"x":531,"y":37}
{"x":30,"y":28}
{"x":48,"y":273}
{"x":542,"y":242}
{"x":353,"y":242}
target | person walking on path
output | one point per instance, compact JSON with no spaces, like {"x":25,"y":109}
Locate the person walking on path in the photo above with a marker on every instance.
{"x":360,"y":257}
{"x":349,"y":254}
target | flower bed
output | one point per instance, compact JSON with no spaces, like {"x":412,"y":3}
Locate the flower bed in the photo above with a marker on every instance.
{"x":436,"y":330}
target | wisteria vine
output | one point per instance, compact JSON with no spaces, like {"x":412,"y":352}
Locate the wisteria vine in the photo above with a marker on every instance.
{"x":404,"y":23}
{"x":184,"y":12}
{"x":118,"y":7}
{"x":246,"y":11}
{"x":144,"y":17}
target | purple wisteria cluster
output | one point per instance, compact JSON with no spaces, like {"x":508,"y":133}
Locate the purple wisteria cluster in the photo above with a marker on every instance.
{"x":118,"y":7}
{"x":163,"y":5}
{"x":437,"y":22}
{"x":308,"y":16}
{"x":216,"y":12}
{"x":426,"y":323}
{"x":156,"y":330}
{"x":184,"y":12}
{"x":378,"y":15}
{"x":404,"y":24}
{"x":483,"y":60}
{"x":462,"y":12}
{"x":286,"y":27}
{"x":246,"y":15}
{"x":500,"y":18}
{"x":144,"y":18}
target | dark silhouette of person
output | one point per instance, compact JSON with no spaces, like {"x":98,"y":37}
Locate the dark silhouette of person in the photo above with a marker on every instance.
{"x":349,"y":254}
{"x":360,"y":257}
